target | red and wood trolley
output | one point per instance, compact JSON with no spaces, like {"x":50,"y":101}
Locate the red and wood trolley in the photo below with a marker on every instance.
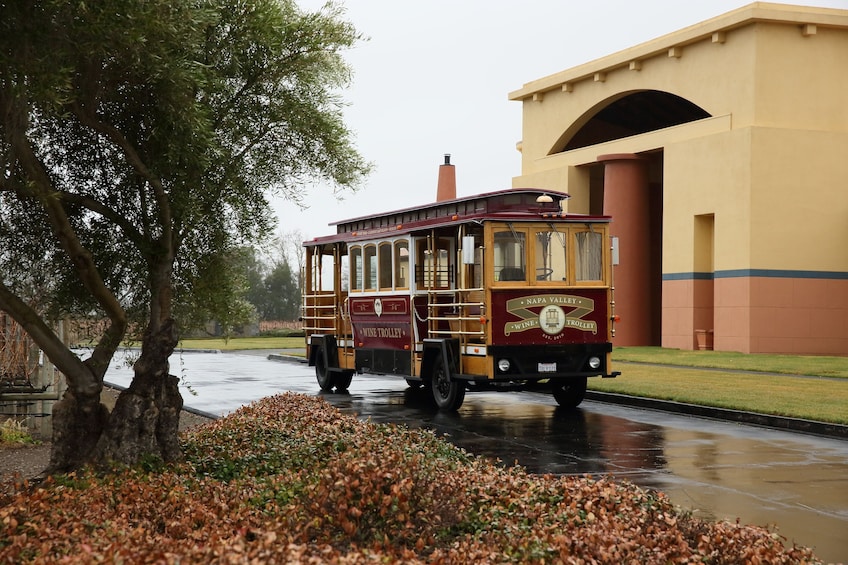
{"x":498,"y":291}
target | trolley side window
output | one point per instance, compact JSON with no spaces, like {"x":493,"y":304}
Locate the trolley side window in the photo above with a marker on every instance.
{"x":385,"y":265}
{"x":443,"y":264}
{"x":551,"y":257}
{"x":472,"y":259}
{"x":344,"y":273}
{"x":477,"y":281}
{"x":401,"y":263}
{"x":356,"y":268}
{"x":315,"y":267}
{"x":509,"y":262}
{"x":370,"y":263}
{"x":322,"y":275}
{"x":433,"y":265}
{"x":588,"y":260}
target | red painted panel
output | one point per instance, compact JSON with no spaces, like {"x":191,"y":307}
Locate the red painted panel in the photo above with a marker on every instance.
{"x":382,"y":322}
{"x":550,"y":316}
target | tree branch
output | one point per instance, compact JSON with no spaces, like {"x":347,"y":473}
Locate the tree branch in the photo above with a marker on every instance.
{"x":87,"y":202}
{"x":71,"y":366}
{"x":98,"y":207}
{"x":160,"y":266}
{"x":112,"y":133}
{"x":80,"y":256}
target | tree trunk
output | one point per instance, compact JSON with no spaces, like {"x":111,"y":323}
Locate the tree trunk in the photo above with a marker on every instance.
{"x":78,"y":422}
{"x":146,"y":417}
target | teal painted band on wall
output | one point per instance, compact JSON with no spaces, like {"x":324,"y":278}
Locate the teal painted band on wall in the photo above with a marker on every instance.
{"x":767,"y":273}
{"x":687,"y":276}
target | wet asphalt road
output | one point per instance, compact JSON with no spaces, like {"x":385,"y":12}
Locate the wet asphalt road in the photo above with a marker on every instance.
{"x":793,"y":482}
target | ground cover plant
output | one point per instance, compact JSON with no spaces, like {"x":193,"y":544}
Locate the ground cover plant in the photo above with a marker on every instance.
{"x":291,"y":479}
{"x":13,"y":432}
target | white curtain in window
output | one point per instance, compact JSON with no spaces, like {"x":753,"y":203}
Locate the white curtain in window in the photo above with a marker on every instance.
{"x":588,"y":263}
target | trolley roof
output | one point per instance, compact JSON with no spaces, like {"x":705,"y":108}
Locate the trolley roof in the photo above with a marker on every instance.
{"x":515,"y":204}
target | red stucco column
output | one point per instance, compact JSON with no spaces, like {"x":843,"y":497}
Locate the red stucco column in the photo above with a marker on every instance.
{"x":626,"y":199}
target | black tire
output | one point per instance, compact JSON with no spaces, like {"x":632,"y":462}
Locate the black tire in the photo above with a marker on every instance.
{"x":570,"y":393}
{"x":325,"y":378}
{"x":342,"y":381}
{"x":448,"y":394}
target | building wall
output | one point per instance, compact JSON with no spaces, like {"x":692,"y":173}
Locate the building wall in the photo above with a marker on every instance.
{"x":755,"y":206}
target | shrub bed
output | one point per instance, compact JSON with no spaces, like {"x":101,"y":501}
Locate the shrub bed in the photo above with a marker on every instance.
{"x":291,"y":479}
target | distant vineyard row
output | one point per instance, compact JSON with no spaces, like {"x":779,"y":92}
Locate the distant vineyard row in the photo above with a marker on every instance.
{"x":18,"y":358}
{"x":269,"y":325}
{"x":16,"y":346}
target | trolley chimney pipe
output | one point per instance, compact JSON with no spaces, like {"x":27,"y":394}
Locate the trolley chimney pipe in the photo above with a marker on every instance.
{"x":446,"y":188}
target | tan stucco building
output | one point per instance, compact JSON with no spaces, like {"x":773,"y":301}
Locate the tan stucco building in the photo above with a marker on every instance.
{"x":721,"y":151}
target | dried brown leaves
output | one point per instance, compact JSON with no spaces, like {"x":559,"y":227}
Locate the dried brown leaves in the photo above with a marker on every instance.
{"x":290,"y":479}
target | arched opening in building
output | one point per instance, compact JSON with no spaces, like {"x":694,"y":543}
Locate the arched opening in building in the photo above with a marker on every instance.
{"x":626,"y":115}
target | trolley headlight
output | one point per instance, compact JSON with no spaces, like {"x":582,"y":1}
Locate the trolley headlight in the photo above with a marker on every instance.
{"x":594,"y":362}
{"x":503,"y":365}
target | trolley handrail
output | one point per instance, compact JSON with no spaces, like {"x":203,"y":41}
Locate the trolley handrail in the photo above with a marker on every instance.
{"x":440,"y":312}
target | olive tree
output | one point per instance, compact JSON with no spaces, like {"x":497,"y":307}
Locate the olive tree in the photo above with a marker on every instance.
{"x":139,"y":144}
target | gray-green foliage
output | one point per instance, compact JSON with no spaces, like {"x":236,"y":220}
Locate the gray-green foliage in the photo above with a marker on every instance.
{"x":164,"y":126}
{"x":139,"y":142}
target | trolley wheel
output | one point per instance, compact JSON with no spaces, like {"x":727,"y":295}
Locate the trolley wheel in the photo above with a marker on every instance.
{"x":447,"y":393}
{"x":570,"y":394}
{"x":325,"y":378}
{"x":342,"y":381}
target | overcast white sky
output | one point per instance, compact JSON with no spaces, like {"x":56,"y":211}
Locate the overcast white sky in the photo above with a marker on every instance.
{"x":434,"y":76}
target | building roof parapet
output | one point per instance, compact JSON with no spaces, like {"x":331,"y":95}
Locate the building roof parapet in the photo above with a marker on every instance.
{"x":807,"y":18}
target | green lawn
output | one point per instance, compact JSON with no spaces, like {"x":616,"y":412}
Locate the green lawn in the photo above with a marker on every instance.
{"x":672,"y":374}
{"x":823,"y":400}
{"x":788,"y":364}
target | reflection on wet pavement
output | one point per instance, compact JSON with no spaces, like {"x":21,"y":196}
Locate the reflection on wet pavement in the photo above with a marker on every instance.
{"x":795,"y":483}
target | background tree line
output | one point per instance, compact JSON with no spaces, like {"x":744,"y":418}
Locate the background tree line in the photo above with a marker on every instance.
{"x":274,"y":278}
{"x":266,"y":287}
